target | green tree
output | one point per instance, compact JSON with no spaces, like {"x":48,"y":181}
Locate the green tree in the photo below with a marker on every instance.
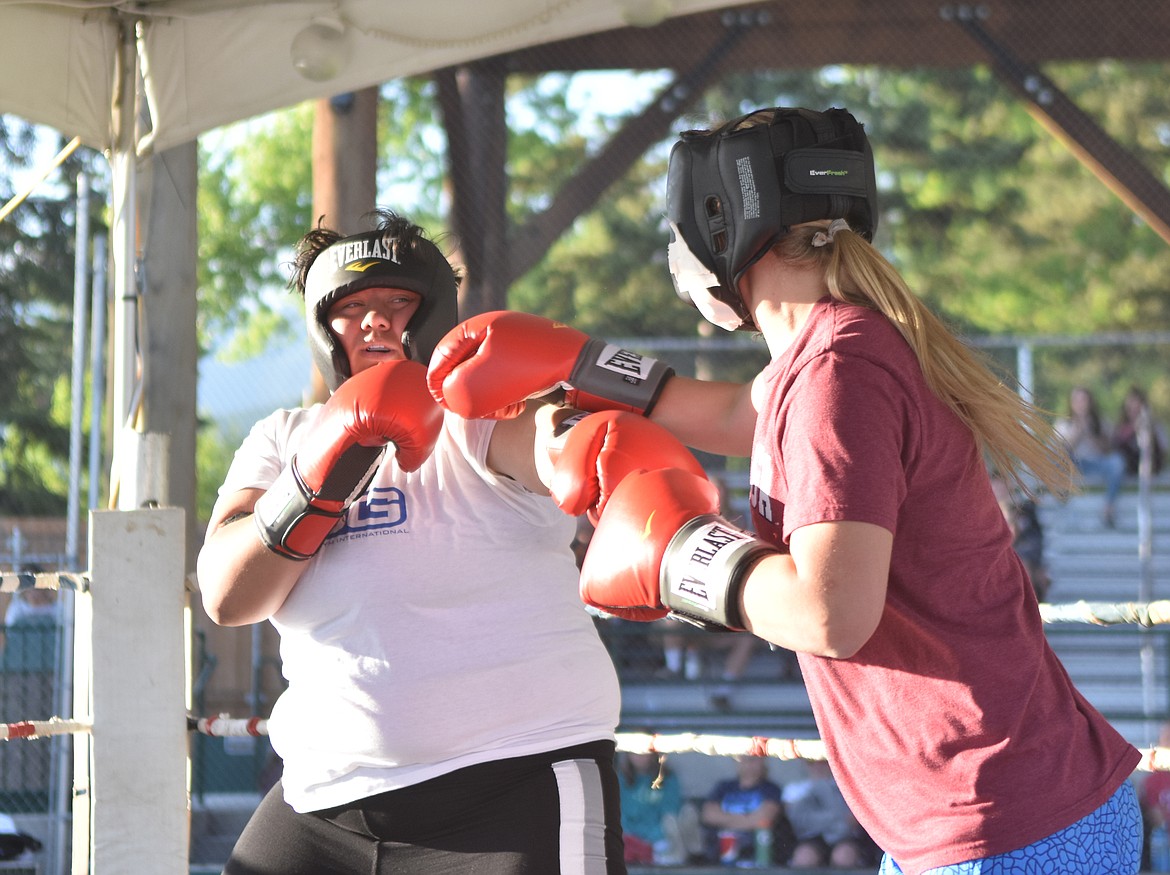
{"x":255,"y":200}
{"x":37,"y":242}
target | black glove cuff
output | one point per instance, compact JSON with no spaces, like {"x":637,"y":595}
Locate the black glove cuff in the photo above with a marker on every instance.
{"x":607,"y":377}
{"x":282,"y":511}
{"x":703,"y":571}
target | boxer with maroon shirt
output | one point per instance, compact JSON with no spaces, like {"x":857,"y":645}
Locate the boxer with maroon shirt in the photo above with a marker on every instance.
{"x":879,"y":553}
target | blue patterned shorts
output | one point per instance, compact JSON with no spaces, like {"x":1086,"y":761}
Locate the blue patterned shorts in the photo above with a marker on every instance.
{"x":1107,"y":841}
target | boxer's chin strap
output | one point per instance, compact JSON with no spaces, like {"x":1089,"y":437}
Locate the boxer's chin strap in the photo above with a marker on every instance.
{"x":703,"y":571}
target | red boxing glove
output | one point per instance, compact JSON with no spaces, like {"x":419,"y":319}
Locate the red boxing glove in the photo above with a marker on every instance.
{"x":660,"y":547}
{"x":592,"y":453}
{"x":388,"y":403}
{"x":489,"y":365}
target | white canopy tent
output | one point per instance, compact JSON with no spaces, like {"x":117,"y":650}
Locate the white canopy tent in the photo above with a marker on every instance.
{"x":135,"y":78}
{"x":206,"y":63}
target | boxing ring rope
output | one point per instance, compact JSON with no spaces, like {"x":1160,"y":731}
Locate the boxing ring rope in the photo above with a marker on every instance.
{"x":56,"y":580}
{"x":44,"y":728}
{"x":1148,"y":614}
{"x":1154,"y":759}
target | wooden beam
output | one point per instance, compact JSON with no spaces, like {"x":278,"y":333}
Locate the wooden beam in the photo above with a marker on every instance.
{"x":894,"y":33}
{"x":345,"y":165}
{"x":1108,"y":160}
{"x":630,"y":143}
{"x":471,"y":99}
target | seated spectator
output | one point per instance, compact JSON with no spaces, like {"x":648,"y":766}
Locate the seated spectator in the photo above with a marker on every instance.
{"x":1154,"y":796}
{"x":1127,"y":434}
{"x":1090,"y":444}
{"x":14,"y":843}
{"x":736,"y":808}
{"x":826,"y":832}
{"x":1027,"y":534}
{"x":31,"y":630}
{"x":652,"y":803}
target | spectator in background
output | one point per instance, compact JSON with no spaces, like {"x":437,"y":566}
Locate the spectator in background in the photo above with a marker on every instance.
{"x":1155,"y":798}
{"x":1127,"y":434}
{"x":15,"y":844}
{"x":32,"y":623}
{"x":736,"y":808}
{"x":827,"y":834}
{"x":1027,"y":533}
{"x":1090,"y":444}
{"x":32,"y":606}
{"x":652,"y":802}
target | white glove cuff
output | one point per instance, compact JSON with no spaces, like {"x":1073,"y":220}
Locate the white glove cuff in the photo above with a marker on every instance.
{"x":703,"y":571}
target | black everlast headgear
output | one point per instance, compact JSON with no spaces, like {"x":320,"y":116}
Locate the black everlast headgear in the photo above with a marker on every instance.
{"x":732,"y":193}
{"x":378,"y":259}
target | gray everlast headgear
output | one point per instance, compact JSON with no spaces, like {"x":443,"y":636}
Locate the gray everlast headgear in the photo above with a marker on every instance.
{"x":378,"y":259}
{"x":732,"y":193}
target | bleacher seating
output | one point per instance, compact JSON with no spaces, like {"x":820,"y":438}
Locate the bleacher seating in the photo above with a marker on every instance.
{"x":1123,"y":670}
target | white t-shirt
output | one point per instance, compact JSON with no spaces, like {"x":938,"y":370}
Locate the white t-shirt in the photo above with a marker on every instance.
{"x":438,"y":628}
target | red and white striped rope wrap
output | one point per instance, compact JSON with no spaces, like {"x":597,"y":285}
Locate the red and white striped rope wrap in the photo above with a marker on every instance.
{"x":223,"y":725}
{"x":42,"y":728}
{"x":18,"y":581}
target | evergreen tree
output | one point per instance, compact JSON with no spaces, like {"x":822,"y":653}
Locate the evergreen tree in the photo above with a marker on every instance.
{"x":37,"y":242}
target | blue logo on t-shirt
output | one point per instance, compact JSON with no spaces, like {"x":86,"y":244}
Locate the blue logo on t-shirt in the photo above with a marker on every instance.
{"x":381,"y":508}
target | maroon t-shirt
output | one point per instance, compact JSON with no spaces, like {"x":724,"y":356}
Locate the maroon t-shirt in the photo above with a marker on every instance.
{"x":955,"y":732}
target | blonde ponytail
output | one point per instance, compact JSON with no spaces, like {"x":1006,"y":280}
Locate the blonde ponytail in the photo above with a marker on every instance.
{"x":1016,"y":436}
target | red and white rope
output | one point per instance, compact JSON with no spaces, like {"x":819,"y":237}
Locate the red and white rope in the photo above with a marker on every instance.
{"x":42,"y":728}
{"x":223,"y":725}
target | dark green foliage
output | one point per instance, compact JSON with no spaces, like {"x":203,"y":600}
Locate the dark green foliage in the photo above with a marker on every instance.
{"x":37,"y":242}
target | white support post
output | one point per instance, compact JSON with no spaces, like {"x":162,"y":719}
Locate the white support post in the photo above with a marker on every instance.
{"x":132,"y":803}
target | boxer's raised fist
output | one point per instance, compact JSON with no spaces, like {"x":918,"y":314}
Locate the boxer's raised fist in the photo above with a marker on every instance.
{"x":661,"y":547}
{"x":489,"y":365}
{"x":592,"y":453}
{"x":388,"y":403}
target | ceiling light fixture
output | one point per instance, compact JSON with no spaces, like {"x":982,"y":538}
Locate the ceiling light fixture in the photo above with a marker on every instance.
{"x":321,"y":50}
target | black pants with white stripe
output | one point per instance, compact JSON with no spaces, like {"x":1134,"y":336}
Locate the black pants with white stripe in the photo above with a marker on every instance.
{"x":545,"y":814}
